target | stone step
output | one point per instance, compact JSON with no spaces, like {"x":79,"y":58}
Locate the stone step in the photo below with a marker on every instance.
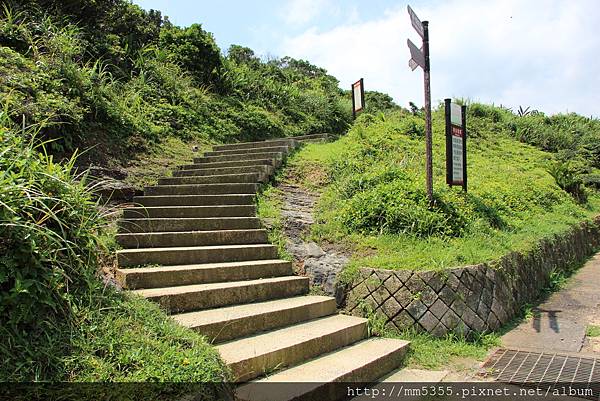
{"x":193,"y":238}
{"x":273,"y":149}
{"x":195,"y":254}
{"x":195,"y":200}
{"x":201,"y":189}
{"x":264,"y":171}
{"x":250,"y":357}
{"x":162,"y":225}
{"x":238,"y":163}
{"x":261,"y":144}
{"x":204,"y":296}
{"x":231,"y":322}
{"x":310,"y":138}
{"x":244,"y":157}
{"x":170,"y":276}
{"x":189,"y":211}
{"x":327,"y":377}
{"x":251,"y":178}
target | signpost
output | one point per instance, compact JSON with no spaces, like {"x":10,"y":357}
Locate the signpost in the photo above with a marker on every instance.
{"x":358,"y":97}
{"x":456,"y":144}
{"x":420,"y":58}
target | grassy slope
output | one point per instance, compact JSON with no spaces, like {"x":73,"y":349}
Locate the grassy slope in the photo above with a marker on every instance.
{"x":60,"y":322}
{"x":512,"y":200}
{"x":506,"y":175}
{"x":132,"y":340}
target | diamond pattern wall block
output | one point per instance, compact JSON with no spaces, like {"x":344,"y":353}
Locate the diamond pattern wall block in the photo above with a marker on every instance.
{"x":475,"y":298}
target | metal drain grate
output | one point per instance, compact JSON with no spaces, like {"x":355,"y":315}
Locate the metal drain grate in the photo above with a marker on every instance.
{"x":534,"y":368}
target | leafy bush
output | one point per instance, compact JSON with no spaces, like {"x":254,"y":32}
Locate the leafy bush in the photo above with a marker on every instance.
{"x":378,"y":102}
{"x":49,"y":240}
{"x":77,"y":66}
{"x":568,"y":179}
{"x":377,"y":180}
{"x":194,"y":49}
{"x":57,"y":319}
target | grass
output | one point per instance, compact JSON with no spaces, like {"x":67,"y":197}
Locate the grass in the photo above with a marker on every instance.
{"x":268,"y":210}
{"x":59,"y":320}
{"x":373,"y":198}
{"x":429,"y":352}
{"x":161,"y":159}
{"x":132,"y":340}
{"x":592,"y":331}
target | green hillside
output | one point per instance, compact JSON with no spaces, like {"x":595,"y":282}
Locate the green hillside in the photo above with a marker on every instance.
{"x":374,"y":199}
{"x":89,"y":82}
{"x":118,"y":87}
{"x":111,"y":75}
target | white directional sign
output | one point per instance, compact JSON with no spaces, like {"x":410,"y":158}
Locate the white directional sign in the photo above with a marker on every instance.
{"x":456,"y":114}
{"x":416,"y":22}
{"x":412,"y":64}
{"x":416,"y":55}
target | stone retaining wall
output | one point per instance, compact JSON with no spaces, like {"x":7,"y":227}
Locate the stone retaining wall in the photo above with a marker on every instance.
{"x":472,"y":298}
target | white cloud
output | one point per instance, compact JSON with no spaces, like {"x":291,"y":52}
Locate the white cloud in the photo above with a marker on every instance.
{"x":542,"y":54}
{"x":302,"y":12}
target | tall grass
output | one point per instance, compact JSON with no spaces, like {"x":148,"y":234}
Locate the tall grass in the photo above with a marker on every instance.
{"x":58,"y":320}
{"x":374,"y":201}
{"x":49,"y":226}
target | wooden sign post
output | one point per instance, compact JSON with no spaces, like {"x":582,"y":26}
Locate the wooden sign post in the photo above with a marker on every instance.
{"x":456,"y":144}
{"x":358,"y":96}
{"x":420,"y":58}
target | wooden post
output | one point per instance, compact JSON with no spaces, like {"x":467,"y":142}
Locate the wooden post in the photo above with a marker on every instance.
{"x":428,"y":135}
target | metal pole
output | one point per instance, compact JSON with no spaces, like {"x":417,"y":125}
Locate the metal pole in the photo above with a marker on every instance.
{"x":428,"y":140}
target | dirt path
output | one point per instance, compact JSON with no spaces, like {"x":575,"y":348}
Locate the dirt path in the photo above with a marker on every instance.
{"x":559,"y":323}
{"x":321,"y":264}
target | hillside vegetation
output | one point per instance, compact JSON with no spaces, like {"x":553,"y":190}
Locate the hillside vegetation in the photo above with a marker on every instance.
{"x":111,"y":75}
{"x":128,"y":88}
{"x":374,"y":199}
{"x":58,"y":320}
{"x":118,"y":83}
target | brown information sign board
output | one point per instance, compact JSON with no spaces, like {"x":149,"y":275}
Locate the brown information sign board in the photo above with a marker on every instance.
{"x":456,"y":144}
{"x":358,"y":96}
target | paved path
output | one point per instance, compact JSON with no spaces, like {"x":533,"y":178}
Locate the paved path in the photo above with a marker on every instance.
{"x":559,"y":323}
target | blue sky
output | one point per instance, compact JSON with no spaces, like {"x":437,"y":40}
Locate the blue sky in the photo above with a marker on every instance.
{"x":538,"y":53}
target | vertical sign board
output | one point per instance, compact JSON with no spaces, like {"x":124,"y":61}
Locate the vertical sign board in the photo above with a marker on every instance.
{"x":358,"y":97}
{"x":456,"y":144}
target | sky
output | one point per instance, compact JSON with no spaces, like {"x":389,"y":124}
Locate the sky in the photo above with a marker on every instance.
{"x":543,"y":54}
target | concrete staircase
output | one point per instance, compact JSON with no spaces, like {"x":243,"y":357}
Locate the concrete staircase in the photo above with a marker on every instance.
{"x":195,"y":246}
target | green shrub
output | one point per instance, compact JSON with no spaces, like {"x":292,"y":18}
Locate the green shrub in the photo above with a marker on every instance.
{"x":376,"y":102}
{"x":377,"y":180}
{"x":568,"y":178}
{"x":49,"y":243}
{"x":58,"y":320}
{"x":194,"y":49}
